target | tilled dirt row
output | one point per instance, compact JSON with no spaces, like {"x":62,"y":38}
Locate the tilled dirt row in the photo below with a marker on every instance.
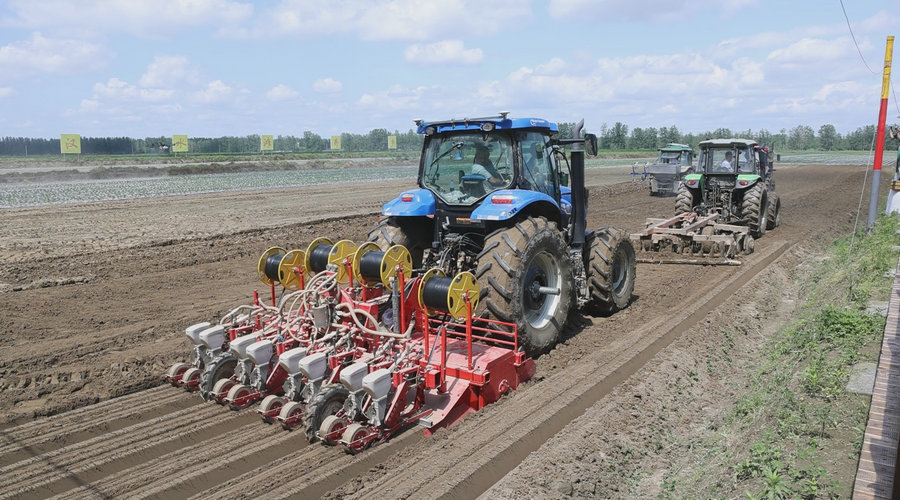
{"x":117,"y":332}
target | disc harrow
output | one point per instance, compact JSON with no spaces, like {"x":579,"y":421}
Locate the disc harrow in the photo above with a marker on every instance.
{"x":691,"y":238}
{"x":358,"y":346}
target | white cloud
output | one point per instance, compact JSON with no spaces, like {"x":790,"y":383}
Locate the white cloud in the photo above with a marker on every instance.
{"x":443,"y":52}
{"x":169,"y":71}
{"x":812,"y":51}
{"x":144,"y":18}
{"x":327,"y":86}
{"x":281,"y":92}
{"x":42,"y":55}
{"x":390,"y":19}
{"x":397,"y":97}
{"x":214,"y":91}
{"x":118,"y":90}
{"x":642,"y":10}
{"x":5,"y":92}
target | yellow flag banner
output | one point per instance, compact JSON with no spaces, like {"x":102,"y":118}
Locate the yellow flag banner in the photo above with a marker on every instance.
{"x":266,"y":143}
{"x":179,"y":144}
{"x":70,"y":143}
{"x":392,"y":142}
{"x":335,"y":142}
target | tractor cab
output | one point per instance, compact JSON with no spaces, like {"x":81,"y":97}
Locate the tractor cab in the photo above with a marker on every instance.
{"x":462,"y":167}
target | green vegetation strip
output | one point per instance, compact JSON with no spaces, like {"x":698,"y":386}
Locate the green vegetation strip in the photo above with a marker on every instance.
{"x":803,"y":431}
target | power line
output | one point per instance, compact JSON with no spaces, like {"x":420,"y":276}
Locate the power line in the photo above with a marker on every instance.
{"x":854,"y":38}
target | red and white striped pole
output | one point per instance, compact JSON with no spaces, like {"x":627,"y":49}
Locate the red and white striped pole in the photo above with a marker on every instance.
{"x":879,"y":138}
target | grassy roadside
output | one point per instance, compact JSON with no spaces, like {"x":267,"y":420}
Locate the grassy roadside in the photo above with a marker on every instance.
{"x":799,"y":430}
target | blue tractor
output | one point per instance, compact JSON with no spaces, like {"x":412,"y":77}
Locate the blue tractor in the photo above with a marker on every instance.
{"x":492,"y":199}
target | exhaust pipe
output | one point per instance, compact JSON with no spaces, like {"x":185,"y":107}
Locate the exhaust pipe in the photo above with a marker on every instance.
{"x":579,"y":197}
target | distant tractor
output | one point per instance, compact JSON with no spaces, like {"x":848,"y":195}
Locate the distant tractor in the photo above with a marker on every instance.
{"x":722,"y":207}
{"x":673,"y":163}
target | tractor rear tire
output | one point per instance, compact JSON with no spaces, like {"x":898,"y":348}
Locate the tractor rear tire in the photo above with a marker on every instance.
{"x":753,"y":210}
{"x":684,"y":200}
{"x":414,"y":236}
{"x":610,"y":266}
{"x":773,"y":217}
{"x":514,"y":264}
{"x":328,"y":402}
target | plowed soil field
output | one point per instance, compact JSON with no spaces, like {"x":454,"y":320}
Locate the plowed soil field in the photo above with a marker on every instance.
{"x":94,"y":299}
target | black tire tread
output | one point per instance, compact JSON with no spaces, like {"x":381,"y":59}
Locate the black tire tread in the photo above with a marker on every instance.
{"x":753,"y":208}
{"x":602,"y":250}
{"x":498,"y":272}
{"x":314,"y":415}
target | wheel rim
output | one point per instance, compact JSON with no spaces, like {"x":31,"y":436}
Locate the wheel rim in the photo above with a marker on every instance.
{"x":191,"y":375}
{"x":539,"y":308}
{"x":272,"y":404}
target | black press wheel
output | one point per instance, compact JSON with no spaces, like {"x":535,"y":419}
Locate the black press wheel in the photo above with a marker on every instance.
{"x":222,"y":366}
{"x":328,"y":402}
{"x":526,"y":279}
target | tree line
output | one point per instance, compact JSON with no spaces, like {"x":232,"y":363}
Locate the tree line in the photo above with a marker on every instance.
{"x":615,"y":137}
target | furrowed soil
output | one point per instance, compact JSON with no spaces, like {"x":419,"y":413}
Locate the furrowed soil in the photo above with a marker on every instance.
{"x":94,"y":299}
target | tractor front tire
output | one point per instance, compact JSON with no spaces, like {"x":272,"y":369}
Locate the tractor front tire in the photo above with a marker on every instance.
{"x":753,"y":210}
{"x":414,"y":236}
{"x":516,"y":263}
{"x":610,"y":266}
{"x":684,"y":200}
{"x":773,"y":217}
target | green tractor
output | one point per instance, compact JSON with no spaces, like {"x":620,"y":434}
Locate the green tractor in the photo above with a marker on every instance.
{"x":734,"y":178}
{"x":720,"y":208}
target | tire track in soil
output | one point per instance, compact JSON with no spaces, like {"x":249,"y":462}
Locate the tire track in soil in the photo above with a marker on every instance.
{"x":39,"y":437}
{"x":317,"y":470}
{"x":548,"y":407}
{"x":88,"y":461}
{"x":175,"y":473}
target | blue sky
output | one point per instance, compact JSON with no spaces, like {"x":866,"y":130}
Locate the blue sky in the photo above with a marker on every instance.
{"x":209,"y":68}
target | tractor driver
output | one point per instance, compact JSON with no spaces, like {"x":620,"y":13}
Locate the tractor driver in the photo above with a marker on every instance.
{"x":725,"y":166}
{"x":484,"y":167}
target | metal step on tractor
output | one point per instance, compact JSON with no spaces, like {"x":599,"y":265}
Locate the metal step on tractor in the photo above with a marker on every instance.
{"x":492,"y":199}
{"x":720,"y":209}
{"x":674,"y":162}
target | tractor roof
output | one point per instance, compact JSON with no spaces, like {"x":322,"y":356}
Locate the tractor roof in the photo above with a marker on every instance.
{"x":501,"y":122}
{"x":675,"y":147}
{"x":725,"y":143}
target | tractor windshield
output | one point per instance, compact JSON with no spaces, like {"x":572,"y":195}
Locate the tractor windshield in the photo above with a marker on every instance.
{"x":666,"y":157}
{"x":736,"y":159}
{"x":462,"y":168}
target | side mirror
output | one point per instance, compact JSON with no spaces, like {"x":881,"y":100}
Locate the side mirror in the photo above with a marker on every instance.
{"x":590,"y":144}
{"x":563,"y":178}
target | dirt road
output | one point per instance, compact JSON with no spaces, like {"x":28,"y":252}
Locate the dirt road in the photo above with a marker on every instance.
{"x":94,"y":300}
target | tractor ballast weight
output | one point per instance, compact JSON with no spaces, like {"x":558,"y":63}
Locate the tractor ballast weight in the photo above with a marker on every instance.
{"x":720,"y":208}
